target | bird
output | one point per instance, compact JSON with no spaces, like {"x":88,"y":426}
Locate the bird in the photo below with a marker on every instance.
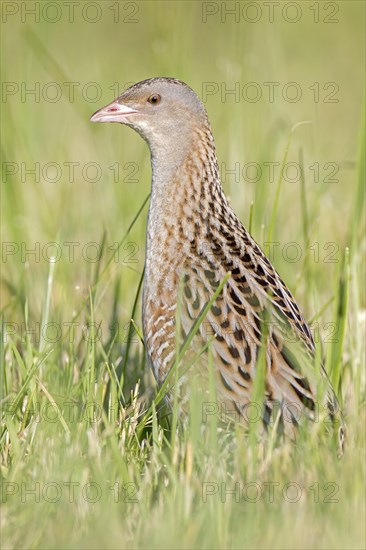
{"x":201,"y":259}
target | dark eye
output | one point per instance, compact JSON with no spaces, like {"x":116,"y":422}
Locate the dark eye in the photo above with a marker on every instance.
{"x":154,"y":99}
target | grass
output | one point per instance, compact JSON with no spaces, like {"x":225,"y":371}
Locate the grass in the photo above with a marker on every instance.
{"x":86,"y":460}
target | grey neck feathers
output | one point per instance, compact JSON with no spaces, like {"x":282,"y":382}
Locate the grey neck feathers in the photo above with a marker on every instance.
{"x":181,"y":166}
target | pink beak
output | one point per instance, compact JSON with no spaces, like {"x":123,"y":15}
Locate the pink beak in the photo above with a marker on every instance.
{"x":114,"y":112}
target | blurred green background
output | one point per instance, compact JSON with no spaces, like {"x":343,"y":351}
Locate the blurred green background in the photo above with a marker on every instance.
{"x":225,"y":53}
{"x":76,"y":58}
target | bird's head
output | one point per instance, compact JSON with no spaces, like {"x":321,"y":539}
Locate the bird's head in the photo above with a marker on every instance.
{"x":159,"y":109}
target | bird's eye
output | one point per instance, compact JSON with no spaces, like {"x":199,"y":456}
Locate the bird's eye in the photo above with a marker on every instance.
{"x":154,"y":99}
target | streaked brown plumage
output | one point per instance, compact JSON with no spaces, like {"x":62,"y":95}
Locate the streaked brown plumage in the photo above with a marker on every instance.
{"x":194,"y":236}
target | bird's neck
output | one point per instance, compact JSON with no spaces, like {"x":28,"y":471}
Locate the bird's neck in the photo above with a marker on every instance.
{"x":186,"y":196}
{"x":184,"y":176}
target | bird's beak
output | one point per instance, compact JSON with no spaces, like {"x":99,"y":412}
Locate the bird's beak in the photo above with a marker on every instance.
{"x":114,"y":112}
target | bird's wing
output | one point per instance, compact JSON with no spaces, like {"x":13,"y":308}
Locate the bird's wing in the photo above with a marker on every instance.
{"x":253,"y":303}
